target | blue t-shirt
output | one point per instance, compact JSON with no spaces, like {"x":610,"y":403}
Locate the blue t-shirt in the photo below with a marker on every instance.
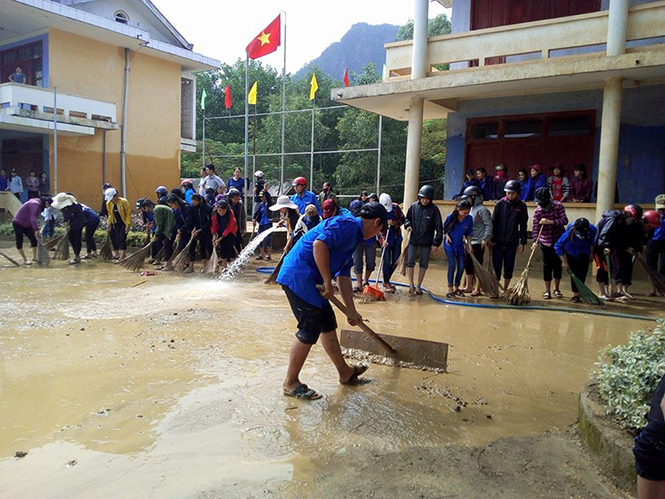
{"x":659,"y":233}
{"x":188,"y":195}
{"x":18,"y":77}
{"x":573,"y":246}
{"x":299,"y":271}
{"x":308,"y":197}
{"x":89,"y":215}
{"x":265,"y":218}
{"x":461,"y":229}
{"x":237,"y":184}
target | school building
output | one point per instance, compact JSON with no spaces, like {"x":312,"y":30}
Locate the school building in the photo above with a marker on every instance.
{"x":535,"y":81}
{"x":121,"y":77}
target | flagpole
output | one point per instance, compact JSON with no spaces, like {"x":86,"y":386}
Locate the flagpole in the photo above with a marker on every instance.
{"x":378,"y":154}
{"x":254,"y":160}
{"x":246,"y":127}
{"x":311,"y":148}
{"x":203,"y":147}
{"x":281,"y":161}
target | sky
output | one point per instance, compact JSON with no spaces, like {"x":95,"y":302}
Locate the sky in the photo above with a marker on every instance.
{"x":222,"y":29}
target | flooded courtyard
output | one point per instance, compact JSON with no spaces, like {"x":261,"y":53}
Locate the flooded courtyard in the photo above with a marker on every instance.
{"x":172,"y":389}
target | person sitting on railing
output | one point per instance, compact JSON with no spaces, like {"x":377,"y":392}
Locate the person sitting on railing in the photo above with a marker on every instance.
{"x":580,"y":185}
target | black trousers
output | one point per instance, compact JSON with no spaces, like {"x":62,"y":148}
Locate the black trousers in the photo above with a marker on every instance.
{"x":162,"y":242}
{"x":479,"y":253}
{"x":656,"y":255}
{"x":623,"y":273}
{"x":90,"y":236}
{"x":118,"y":235}
{"x":21,"y":231}
{"x":204,"y":241}
{"x":75,"y":240}
{"x":503,"y":255}
{"x":579,"y":266}
{"x":551,"y":263}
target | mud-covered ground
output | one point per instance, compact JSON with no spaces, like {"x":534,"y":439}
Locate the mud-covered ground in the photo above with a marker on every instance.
{"x":172,"y":389}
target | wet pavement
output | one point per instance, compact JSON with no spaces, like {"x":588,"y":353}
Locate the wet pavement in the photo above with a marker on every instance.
{"x":172,"y":389}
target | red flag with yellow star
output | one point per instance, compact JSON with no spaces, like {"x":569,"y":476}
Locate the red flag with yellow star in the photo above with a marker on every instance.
{"x":266,"y":42}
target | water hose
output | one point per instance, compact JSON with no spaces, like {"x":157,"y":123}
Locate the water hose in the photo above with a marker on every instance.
{"x":438,"y":299}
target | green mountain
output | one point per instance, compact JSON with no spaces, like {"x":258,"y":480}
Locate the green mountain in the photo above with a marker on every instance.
{"x":362,"y":44}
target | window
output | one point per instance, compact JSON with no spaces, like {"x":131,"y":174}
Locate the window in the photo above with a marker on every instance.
{"x":574,"y":125}
{"x":121,"y":17}
{"x":479,"y":131}
{"x":523,"y":128}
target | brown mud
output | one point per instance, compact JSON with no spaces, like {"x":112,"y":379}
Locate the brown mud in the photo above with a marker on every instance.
{"x":173,"y":389}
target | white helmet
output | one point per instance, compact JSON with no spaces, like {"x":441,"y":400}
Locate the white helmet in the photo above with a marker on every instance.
{"x":386,"y":201}
{"x":259,"y":174}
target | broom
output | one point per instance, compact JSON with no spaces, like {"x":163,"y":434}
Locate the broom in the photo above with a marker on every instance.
{"x":401,"y":261}
{"x":106,"y":251}
{"x":586,"y":295}
{"x":136,"y":261}
{"x":212,"y":266}
{"x":372,"y":291}
{"x":518,"y":294}
{"x":62,"y":251}
{"x":53,"y":242}
{"x":657,"y":280}
{"x":10,"y":259}
{"x":271,"y":278}
{"x":488,"y":282}
{"x":43,"y":257}
{"x":180,"y":261}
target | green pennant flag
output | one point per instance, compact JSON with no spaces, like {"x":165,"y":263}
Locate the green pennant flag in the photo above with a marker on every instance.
{"x":203,"y":99}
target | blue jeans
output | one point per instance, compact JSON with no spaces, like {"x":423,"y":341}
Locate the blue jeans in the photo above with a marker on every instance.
{"x":49,"y":229}
{"x":390,"y":260}
{"x":455,"y":268}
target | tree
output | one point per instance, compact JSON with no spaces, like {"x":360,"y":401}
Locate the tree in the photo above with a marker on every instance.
{"x":440,"y":25}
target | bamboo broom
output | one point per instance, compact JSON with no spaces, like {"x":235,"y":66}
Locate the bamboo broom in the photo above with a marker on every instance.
{"x":271,"y":278}
{"x":657,"y":280}
{"x":212,"y":266}
{"x":518,"y":294}
{"x":489,"y":284}
{"x":10,"y":259}
{"x":586,"y":295}
{"x":136,"y":261}
{"x":53,"y":242}
{"x":180,"y":262}
{"x":62,"y":251}
{"x":106,"y":251}
{"x":43,"y":257}
{"x":401,"y":261}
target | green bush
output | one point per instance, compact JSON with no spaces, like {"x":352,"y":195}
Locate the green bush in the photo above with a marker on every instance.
{"x":134,"y":239}
{"x":629,"y":374}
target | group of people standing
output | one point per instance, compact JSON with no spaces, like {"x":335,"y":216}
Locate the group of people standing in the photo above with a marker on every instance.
{"x":36,"y":186}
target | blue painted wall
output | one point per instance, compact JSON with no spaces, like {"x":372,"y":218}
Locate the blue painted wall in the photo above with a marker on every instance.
{"x":641,"y":165}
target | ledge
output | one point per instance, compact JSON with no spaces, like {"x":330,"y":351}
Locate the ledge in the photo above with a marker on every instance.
{"x":610,"y":447}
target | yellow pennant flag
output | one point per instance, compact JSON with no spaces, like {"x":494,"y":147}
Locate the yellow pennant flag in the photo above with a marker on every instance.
{"x":251,"y":96}
{"x":313,"y":87}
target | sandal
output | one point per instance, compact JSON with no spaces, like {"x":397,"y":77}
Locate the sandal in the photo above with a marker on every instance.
{"x":575,"y":299}
{"x":303,"y":392}
{"x":358,"y":370}
{"x":451,"y":295}
{"x":476,"y":293}
{"x":419,"y":292}
{"x":547,"y":295}
{"x":558,"y":294}
{"x":459,"y":292}
{"x":357,"y":289}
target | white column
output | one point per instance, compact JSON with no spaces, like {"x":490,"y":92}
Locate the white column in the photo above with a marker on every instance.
{"x":413,"y":140}
{"x":609,"y":145}
{"x":616,"y":27}
{"x":418,"y":70}
{"x":419,"y":55}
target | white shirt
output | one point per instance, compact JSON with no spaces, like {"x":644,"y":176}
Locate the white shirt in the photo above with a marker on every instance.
{"x":211,"y":181}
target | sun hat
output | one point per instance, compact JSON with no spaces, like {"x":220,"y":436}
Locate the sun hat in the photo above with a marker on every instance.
{"x":62,"y":200}
{"x":283,"y":202}
{"x":386,"y":201}
{"x":109,"y":193}
{"x":660,"y":202}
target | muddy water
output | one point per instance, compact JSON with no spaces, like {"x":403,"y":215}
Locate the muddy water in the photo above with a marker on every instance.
{"x":173,"y":387}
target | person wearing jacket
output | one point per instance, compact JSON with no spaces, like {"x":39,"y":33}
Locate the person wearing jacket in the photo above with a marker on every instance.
{"x":575,"y":248}
{"x":201,"y":214}
{"x":303,"y":197}
{"x":91,"y":224}
{"x":119,"y":221}
{"x":549,"y":222}
{"x":25,"y":224}
{"x":523,"y":178}
{"x":238,"y":208}
{"x":509,"y":222}
{"x":263,"y":217}
{"x":184,"y":222}
{"x":469,"y":180}
{"x":164,"y":222}
{"x":223,"y":229}
{"x":423,"y":222}
{"x":187,"y":187}
{"x":485,"y":183}
{"x":457,"y":228}
{"x":500,"y":180}
{"x":581,"y":186}
{"x":72,"y":213}
{"x":480,"y":237}
{"x":656,"y":246}
{"x":392,"y":240}
{"x":536,"y":181}
{"x":15,"y":184}
{"x":326,"y":193}
{"x":558,"y":185}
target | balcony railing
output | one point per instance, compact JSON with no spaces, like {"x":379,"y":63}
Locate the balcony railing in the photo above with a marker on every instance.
{"x":529,"y":41}
{"x":37,"y":103}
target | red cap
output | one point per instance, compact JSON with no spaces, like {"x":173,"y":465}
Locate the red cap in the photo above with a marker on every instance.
{"x":651,"y":218}
{"x":537,"y":167}
{"x":300,"y":181}
{"x":329,"y":207}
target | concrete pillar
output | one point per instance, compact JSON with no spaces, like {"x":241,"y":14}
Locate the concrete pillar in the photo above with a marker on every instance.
{"x":616,"y":27}
{"x":419,"y":55}
{"x":609,"y":145}
{"x":413,"y":140}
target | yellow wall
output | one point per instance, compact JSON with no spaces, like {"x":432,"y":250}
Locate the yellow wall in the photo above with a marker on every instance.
{"x":85,"y":67}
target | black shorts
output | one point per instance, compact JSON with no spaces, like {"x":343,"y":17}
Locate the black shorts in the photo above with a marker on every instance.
{"x":649,"y":452}
{"x":312,"y":321}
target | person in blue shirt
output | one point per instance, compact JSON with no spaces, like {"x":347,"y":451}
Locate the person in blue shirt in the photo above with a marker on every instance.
{"x":575,"y":247}
{"x":263,"y":217}
{"x":303,"y":197}
{"x":320,"y":255}
{"x":656,"y":246}
{"x":485,"y":183}
{"x":523,"y":179}
{"x":91,"y":219}
{"x":535,"y":182}
{"x":457,"y":227}
{"x":237,"y":182}
{"x":4,"y":181}
{"x":187,"y":187}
